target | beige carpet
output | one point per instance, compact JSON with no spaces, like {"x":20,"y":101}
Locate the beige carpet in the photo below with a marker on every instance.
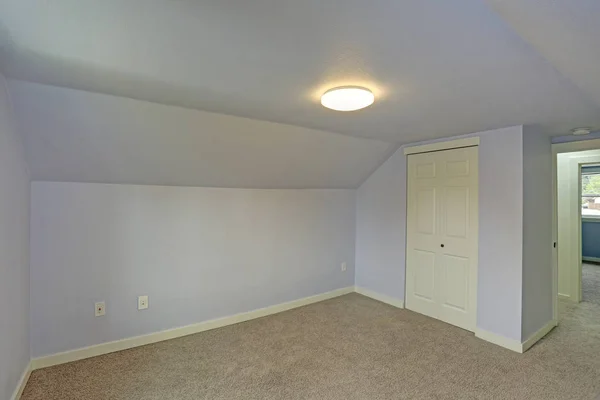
{"x":350,"y":347}
{"x":590,"y":285}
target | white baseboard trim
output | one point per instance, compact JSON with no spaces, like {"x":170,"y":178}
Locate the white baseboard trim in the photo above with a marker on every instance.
{"x":123,"y":344}
{"x":22,"y":383}
{"x":513,"y":344}
{"x":380,"y":297}
{"x":544,"y":330}
{"x":507,"y":343}
{"x":592,"y":259}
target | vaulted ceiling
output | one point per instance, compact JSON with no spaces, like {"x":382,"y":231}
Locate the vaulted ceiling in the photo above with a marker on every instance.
{"x":438,"y":68}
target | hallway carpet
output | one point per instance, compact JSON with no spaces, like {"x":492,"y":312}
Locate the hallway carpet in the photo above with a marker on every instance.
{"x":590,"y":285}
{"x":350,"y":347}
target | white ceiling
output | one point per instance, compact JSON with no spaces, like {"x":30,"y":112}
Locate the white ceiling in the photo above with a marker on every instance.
{"x":438,"y":68}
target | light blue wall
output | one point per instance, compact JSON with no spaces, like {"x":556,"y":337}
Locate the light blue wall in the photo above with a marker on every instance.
{"x":199,"y":253}
{"x":381,"y":230}
{"x":381,"y":227}
{"x":14,"y":252}
{"x":537,"y":231}
{"x":499,"y":298}
{"x":590,"y":238}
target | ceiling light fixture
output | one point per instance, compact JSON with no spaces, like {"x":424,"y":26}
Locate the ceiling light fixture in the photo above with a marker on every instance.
{"x":581,"y":131}
{"x":347,"y":98}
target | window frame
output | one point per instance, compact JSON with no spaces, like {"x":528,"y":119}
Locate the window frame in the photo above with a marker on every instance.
{"x":589,"y":218}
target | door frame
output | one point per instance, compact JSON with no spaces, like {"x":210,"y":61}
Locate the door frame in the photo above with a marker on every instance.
{"x":559,"y":148}
{"x":441,"y":146}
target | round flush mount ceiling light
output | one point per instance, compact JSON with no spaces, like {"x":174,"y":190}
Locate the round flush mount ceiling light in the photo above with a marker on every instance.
{"x":581,"y":131}
{"x":347,"y":98}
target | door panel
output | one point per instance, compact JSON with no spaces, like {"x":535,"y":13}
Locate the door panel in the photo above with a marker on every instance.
{"x":457,"y":211}
{"x":456,"y":284}
{"x":424,"y":275}
{"x":442,"y":210}
{"x":426,"y":170}
{"x":426,"y":210}
{"x":457,"y":168}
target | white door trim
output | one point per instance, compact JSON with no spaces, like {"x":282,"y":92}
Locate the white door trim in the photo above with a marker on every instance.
{"x":571,"y":147}
{"x":575,"y":165}
{"x":447,"y":145}
{"x":557,"y":148}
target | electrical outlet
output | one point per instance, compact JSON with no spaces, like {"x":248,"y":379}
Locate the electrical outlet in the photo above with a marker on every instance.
{"x":343,"y":266}
{"x":100,"y":309}
{"x":142,"y":302}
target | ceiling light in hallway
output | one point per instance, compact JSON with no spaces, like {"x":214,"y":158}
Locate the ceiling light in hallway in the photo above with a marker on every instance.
{"x":581,"y":131}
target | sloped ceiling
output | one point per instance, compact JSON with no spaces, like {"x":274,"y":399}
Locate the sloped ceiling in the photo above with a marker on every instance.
{"x":566,"y":33}
{"x":71,"y":135}
{"x":438,"y":68}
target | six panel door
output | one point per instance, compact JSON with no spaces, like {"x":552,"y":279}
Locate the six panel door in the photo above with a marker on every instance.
{"x":441,"y":260}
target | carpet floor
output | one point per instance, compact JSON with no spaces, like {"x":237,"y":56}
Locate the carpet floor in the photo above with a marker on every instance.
{"x":590,"y":285}
{"x":350,"y":347}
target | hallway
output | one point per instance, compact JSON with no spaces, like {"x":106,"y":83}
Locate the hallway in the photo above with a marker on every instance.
{"x":591,"y":283}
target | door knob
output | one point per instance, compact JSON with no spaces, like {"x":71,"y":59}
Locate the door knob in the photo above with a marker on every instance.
{"x":442,"y":245}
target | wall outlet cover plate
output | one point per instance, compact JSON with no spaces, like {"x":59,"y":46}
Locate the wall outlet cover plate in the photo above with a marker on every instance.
{"x":142,"y":302}
{"x":100,"y":309}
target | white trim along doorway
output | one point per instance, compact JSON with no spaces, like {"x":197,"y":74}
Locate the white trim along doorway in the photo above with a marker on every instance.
{"x":566,"y":277}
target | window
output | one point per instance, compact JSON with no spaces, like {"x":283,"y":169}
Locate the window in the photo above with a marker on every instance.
{"x":590,"y":191}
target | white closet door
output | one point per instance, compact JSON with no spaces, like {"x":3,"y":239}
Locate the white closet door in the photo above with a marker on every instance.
{"x":441,"y":261}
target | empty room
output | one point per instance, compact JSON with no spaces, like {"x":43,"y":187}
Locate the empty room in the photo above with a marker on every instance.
{"x":319,"y":199}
